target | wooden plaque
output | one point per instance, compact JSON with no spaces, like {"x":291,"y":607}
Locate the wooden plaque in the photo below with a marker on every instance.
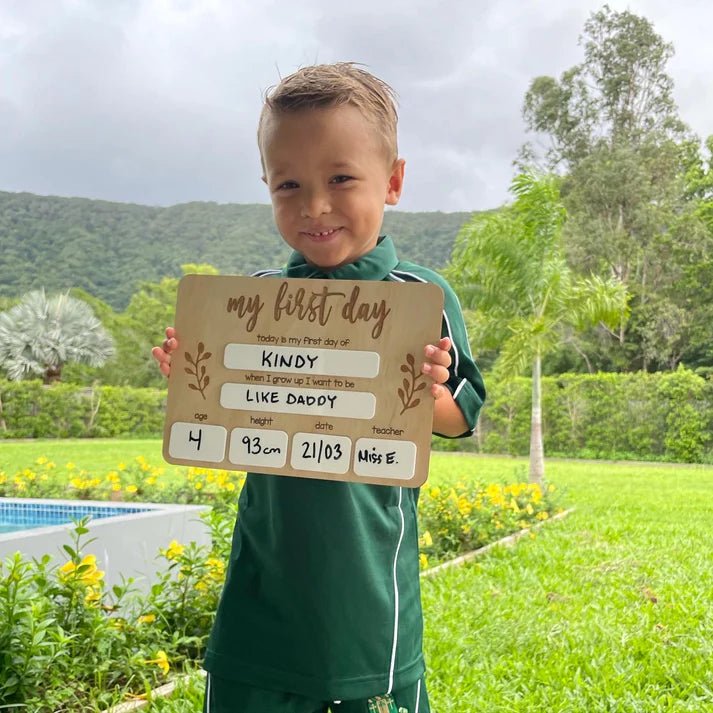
{"x":307,"y":378}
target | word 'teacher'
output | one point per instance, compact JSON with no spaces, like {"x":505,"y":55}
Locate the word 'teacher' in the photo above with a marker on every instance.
{"x":307,"y":378}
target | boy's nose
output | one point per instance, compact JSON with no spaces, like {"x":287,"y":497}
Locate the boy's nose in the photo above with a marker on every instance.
{"x":315,"y":204}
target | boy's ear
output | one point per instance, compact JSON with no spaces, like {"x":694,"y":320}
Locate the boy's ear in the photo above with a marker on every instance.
{"x":396,"y":182}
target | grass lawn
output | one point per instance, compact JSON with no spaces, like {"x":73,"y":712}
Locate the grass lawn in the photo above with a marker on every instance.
{"x":610,"y":609}
{"x":93,"y":455}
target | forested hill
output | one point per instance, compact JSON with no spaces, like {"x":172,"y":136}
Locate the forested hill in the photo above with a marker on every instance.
{"x":108,"y":248}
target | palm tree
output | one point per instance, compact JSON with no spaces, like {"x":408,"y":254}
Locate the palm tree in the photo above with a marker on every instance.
{"x":509,"y":266}
{"x":39,"y":335}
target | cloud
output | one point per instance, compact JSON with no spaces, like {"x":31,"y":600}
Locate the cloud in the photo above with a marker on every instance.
{"x":156,"y":101}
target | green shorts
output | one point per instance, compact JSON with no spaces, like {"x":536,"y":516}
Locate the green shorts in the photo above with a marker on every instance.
{"x":224,"y":696}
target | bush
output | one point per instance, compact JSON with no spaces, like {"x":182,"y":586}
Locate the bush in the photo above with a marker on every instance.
{"x":662,"y":416}
{"x":640,"y":416}
{"x":33,"y":410}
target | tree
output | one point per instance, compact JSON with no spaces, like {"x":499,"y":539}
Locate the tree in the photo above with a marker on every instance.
{"x":510,"y":268}
{"x":619,"y":95}
{"x":40,"y":335}
{"x":614,"y":132}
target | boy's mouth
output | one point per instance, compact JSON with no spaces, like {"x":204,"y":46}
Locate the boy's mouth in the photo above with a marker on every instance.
{"x":320,"y":235}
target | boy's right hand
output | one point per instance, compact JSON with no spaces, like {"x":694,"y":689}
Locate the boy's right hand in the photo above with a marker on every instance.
{"x":162,"y":354}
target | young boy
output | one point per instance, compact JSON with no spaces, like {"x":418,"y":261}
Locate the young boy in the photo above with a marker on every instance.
{"x":321,"y":607}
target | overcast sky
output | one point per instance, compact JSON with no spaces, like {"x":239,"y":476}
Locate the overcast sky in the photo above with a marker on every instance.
{"x":156,"y":101}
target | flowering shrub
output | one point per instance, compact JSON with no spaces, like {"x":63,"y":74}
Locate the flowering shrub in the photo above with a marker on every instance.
{"x":463,"y":517}
{"x":134,"y":481}
{"x":66,"y":643}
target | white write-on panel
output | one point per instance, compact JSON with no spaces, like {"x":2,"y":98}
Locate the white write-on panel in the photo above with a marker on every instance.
{"x":326,"y":362}
{"x":319,"y":453}
{"x":258,"y":447}
{"x":283,"y":399}
{"x":383,"y":458}
{"x":191,"y":441}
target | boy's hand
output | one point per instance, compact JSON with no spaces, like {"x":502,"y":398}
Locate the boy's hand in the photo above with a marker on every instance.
{"x":438,"y":360}
{"x":448,"y":419}
{"x":162,"y":354}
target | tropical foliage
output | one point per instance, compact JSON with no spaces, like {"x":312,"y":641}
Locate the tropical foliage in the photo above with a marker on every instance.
{"x":40,"y":335}
{"x":509,"y":268}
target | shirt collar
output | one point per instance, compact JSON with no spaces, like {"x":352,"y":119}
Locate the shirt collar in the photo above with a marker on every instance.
{"x":375,"y":265}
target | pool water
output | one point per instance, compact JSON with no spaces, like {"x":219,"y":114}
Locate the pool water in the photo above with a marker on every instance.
{"x":11,"y":528}
{"x":15,"y":517}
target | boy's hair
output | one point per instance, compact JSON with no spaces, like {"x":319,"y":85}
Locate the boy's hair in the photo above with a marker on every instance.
{"x":323,"y":86}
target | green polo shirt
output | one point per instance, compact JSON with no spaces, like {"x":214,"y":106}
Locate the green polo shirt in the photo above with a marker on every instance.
{"x":322,"y":594}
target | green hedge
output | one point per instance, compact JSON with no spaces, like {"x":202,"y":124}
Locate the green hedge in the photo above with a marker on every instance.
{"x":663,"y":416}
{"x":638,"y":416}
{"x":32,"y":410}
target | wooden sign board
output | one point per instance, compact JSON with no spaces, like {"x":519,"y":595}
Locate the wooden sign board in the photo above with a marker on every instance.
{"x":308,"y":378}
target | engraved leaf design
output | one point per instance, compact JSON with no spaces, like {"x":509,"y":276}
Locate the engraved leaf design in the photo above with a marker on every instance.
{"x":422,"y":385}
{"x":203,"y":371}
{"x":187,"y":370}
{"x":404,"y":368}
{"x":201,"y":347}
{"x":405,"y":383}
{"x":415,"y":403}
{"x":193,"y":386}
{"x":188,"y":358}
{"x":207,"y":355}
{"x":409,"y":359}
{"x":207,"y":381}
{"x":401,"y":394}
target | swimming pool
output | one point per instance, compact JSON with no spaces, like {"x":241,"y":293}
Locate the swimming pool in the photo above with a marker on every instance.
{"x":17,"y":516}
{"x":125,"y":537}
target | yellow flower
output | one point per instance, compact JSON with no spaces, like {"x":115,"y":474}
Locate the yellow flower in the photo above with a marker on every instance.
{"x":93,"y":595}
{"x":464,"y":506}
{"x":70,"y":466}
{"x":542,"y":515}
{"x":216,"y":568}
{"x":199,"y":485}
{"x":90,"y":574}
{"x":174,"y":550}
{"x":423,"y":561}
{"x":42,"y":460}
{"x":147,"y":619}
{"x":116,"y":488}
{"x":426,"y":539}
{"x":435,"y":492}
{"x":131,"y":488}
{"x":161,"y":661}
{"x":151,"y":481}
{"x":121,"y":466}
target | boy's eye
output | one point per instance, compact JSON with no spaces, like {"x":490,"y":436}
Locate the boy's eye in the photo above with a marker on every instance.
{"x":286,"y":185}
{"x":341,"y":179}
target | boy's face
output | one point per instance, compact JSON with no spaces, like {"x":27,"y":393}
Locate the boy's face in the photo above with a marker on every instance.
{"x":329,"y":178}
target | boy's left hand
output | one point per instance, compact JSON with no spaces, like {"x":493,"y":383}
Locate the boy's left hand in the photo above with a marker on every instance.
{"x":438,"y":360}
